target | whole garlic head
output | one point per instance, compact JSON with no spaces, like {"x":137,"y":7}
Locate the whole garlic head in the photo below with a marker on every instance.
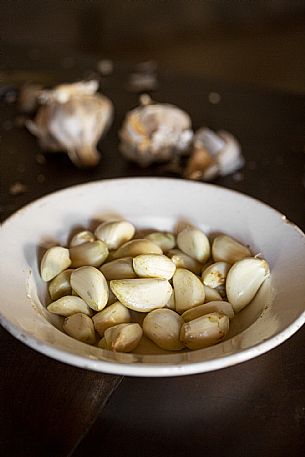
{"x":155,"y":132}
{"x":72,"y":118}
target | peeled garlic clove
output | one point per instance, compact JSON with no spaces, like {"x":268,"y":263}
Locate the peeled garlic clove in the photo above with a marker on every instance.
{"x":111,"y":298}
{"x":182,"y":260}
{"x":80,"y":327}
{"x":123,"y":337}
{"x":110,"y":316}
{"x":85,"y":236}
{"x":221,"y":306}
{"x":142,"y":295}
{"x":244,"y":279}
{"x":165,"y":241}
{"x":155,"y":132}
{"x":195,"y":243}
{"x":205,"y":330}
{"x":91,"y":253}
{"x":189,"y":290}
{"x":60,"y":285}
{"x":215,"y":275}
{"x":211,"y":294}
{"x":226,"y":249}
{"x":54,"y":261}
{"x":115,"y":233}
{"x":171,"y":302}
{"x":163,"y":327}
{"x":154,"y":266}
{"x":103,"y":344}
{"x":68,"y":305}
{"x":91,"y":285}
{"x":136,"y":247}
{"x":118,"y":269}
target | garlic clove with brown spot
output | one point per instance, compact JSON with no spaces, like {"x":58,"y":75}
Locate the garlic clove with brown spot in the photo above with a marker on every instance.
{"x":215,"y":274}
{"x":122,"y":337}
{"x":205,"y":330}
{"x":72,"y":118}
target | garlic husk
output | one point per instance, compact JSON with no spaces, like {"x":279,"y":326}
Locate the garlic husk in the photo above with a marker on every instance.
{"x":211,"y":294}
{"x":80,"y":327}
{"x":72,"y":118}
{"x":218,"y":306}
{"x":155,"y":132}
{"x":122,"y":337}
{"x":60,"y":285}
{"x":91,"y":285}
{"x":195,"y":243}
{"x":182,"y":260}
{"x":142,"y":295}
{"x":205,"y":330}
{"x":118,"y":269}
{"x":112,"y":315}
{"x":215,"y":275}
{"x":164,"y":240}
{"x":54,"y":261}
{"x":115,"y":233}
{"x":229,"y":158}
{"x":226,"y":249}
{"x":244,"y":280}
{"x":163,"y":326}
{"x":92,"y":253}
{"x":188,"y":289}
{"x":85,"y":236}
{"x":136,"y":247}
{"x":68,"y":305}
{"x":154,"y":266}
{"x":213,"y":154}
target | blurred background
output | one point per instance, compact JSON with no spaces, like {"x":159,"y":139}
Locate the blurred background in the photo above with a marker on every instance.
{"x":258,"y":42}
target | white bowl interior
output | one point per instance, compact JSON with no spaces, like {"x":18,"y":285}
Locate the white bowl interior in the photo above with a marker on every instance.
{"x":276,"y":313}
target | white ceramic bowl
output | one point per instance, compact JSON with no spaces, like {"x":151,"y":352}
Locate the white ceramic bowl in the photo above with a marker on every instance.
{"x":276,"y":313}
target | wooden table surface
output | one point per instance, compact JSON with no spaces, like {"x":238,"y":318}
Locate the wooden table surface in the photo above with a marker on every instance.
{"x":256,"y":408}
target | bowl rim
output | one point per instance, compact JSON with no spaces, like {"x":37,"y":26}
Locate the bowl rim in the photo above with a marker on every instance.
{"x":151,"y":369}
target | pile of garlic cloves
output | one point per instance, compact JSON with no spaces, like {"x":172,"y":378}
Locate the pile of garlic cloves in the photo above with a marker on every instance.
{"x":72,"y":118}
{"x":178,"y":291}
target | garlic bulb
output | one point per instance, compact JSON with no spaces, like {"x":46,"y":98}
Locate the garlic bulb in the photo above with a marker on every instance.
{"x":72,"y":118}
{"x":155,"y":132}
